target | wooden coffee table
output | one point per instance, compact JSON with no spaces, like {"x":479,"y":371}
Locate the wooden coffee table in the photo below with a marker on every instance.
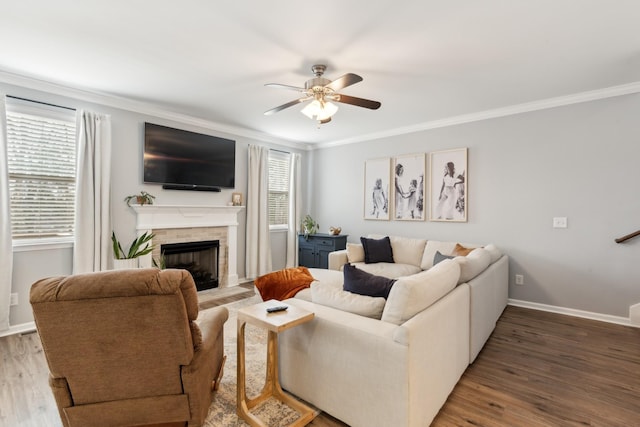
{"x":274,"y":323}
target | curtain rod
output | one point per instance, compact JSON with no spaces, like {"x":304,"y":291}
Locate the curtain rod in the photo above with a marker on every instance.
{"x":40,"y":102}
{"x":280,"y":151}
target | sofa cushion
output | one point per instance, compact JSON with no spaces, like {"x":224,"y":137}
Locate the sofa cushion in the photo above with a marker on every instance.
{"x":335,"y":297}
{"x":355,"y":252}
{"x":438,"y":257}
{"x":445,"y":248}
{"x":388,"y":269}
{"x":473,"y":264}
{"x":494,"y":252}
{"x":377,"y":250}
{"x":363,"y":283}
{"x":412,"y":294}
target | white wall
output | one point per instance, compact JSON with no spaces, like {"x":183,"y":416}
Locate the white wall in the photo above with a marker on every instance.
{"x":578,"y":161}
{"x":127,"y":140}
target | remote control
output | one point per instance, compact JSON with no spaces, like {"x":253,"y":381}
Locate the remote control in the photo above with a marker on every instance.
{"x":276,"y":308}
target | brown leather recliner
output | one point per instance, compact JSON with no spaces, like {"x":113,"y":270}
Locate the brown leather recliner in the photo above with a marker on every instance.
{"x":124,"y":347}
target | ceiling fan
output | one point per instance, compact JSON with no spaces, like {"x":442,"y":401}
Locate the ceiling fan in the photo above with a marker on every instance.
{"x":321,"y":91}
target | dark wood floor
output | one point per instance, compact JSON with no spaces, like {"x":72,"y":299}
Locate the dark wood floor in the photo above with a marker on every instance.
{"x":545,"y":369}
{"x":537,"y":369}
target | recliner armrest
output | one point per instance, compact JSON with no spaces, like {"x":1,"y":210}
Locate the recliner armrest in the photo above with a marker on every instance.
{"x":198,"y":376}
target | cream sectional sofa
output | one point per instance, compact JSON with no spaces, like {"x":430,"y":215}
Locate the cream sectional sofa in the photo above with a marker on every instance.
{"x":374,"y":362}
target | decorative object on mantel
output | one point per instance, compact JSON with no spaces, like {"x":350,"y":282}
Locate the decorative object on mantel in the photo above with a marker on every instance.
{"x":139,"y":247}
{"x":309,"y":226}
{"x":141,"y":199}
{"x":236,"y":199}
{"x":335,"y":230}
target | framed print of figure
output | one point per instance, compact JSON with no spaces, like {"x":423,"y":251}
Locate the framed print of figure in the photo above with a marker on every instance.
{"x":376,"y":189}
{"x":448,"y":185}
{"x":409,"y":187}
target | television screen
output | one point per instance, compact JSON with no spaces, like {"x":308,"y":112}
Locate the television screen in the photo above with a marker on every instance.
{"x":186,"y":159}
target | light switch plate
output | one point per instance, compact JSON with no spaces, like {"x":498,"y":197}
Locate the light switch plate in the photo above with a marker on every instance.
{"x":560,"y":222}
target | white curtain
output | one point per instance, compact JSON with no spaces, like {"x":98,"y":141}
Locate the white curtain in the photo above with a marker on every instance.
{"x":258,"y":244}
{"x":294,"y":211}
{"x":6,"y":247}
{"x":93,"y":194}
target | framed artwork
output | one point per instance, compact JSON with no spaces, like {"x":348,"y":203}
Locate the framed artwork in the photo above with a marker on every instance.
{"x":236,"y":199}
{"x":377,"y":174}
{"x":409,"y":187}
{"x":448,"y":185}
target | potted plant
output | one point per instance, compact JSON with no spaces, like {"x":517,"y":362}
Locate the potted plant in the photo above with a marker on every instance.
{"x":141,"y":199}
{"x":139,"y":247}
{"x":160,"y":263}
{"x":309,"y":226}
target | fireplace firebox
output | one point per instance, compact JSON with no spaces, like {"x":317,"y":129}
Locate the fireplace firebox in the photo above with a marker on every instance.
{"x":201,"y":259}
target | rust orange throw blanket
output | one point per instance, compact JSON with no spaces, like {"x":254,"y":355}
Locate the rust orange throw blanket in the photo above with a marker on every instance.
{"x":283,"y":284}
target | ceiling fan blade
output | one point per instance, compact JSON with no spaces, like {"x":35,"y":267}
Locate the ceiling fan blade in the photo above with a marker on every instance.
{"x":279,"y":86}
{"x":344,"y":81}
{"x":360,"y":102}
{"x":283,"y":106}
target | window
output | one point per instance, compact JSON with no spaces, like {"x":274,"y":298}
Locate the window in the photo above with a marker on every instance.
{"x":278,"y":189}
{"x":41,"y":148}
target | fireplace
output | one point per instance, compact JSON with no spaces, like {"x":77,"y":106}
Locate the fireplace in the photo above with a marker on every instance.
{"x":182,"y":223}
{"x":201,"y":259}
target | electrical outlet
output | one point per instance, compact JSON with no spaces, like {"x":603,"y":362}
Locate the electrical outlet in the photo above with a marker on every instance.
{"x":560,"y":222}
{"x":14,"y":298}
{"x":519,"y":279}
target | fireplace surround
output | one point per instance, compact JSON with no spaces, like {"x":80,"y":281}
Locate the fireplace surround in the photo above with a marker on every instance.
{"x":180,"y":224}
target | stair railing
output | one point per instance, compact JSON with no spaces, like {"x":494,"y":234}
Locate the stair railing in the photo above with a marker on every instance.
{"x":627,"y":237}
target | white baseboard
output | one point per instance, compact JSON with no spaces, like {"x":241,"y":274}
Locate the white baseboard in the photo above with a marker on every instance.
{"x":19,"y":329}
{"x":573,"y":312}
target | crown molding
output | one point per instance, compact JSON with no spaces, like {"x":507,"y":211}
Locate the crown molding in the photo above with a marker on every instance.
{"x":122,"y":103}
{"x":115,"y":101}
{"x":544,"y":104}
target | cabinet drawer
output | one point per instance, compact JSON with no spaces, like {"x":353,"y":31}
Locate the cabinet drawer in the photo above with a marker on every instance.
{"x":324,"y":242}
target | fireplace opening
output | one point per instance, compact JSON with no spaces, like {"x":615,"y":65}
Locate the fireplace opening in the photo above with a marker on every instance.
{"x":201,"y":259}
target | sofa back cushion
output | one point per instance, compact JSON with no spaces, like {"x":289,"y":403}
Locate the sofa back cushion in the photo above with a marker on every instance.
{"x":473,"y":264}
{"x":334,"y":296}
{"x":494,"y":252}
{"x":388,"y":269}
{"x":406,"y":250}
{"x":412,"y":294}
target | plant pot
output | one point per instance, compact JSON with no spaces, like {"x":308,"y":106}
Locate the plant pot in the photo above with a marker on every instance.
{"x":122,"y":264}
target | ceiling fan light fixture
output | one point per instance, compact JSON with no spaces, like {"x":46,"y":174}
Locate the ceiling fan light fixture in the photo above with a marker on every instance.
{"x":317,"y":110}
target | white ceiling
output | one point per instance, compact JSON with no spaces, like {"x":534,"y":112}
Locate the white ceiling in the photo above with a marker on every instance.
{"x":425,"y":60}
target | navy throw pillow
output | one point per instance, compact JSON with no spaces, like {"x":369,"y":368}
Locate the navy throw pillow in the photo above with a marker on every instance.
{"x":438,"y":257}
{"x":377,"y":250}
{"x":363,"y":283}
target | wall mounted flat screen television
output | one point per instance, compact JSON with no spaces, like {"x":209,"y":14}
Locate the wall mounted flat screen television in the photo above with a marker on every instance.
{"x":183,"y":160}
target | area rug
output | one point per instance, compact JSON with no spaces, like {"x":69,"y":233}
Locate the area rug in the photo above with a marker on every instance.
{"x":222,"y":412}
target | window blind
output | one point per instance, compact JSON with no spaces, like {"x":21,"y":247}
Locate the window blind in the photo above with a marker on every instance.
{"x":41,"y":148}
{"x":278,"y":188}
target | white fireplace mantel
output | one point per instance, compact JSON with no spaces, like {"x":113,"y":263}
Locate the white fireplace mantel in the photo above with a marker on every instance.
{"x":150,"y":217}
